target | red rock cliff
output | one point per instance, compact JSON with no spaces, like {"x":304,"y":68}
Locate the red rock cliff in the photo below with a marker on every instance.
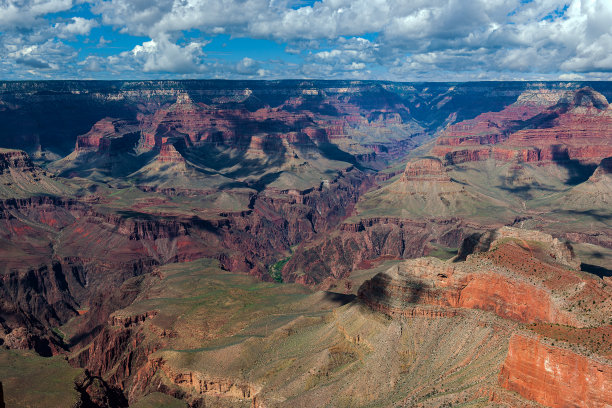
{"x":554,"y":376}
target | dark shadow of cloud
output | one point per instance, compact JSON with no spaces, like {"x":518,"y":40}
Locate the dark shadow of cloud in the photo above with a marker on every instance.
{"x":33,"y":63}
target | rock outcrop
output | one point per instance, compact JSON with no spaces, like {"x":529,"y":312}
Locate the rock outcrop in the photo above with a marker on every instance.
{"x":554,"y":376}
{"x":15,"y":159}
{"x":558,"y":250}
{"x":518,"y":277}
{"x":432,"y":282}
{"x":195,"y":383}
{"x":335,"y":256}
{"x":422,"y":170}
{"x":576,"y":128}
{"x":528,"y":277}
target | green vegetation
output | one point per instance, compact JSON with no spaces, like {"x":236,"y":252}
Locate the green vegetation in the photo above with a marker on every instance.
{"x":59,"y":333}
{"x":159,"y":400}
{"x":33,"y":381}
{"x":443,"y":253}
{"x":276,"y":270}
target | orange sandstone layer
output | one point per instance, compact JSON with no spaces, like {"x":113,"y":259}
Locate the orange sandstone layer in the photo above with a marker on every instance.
{"x":555,"y":377}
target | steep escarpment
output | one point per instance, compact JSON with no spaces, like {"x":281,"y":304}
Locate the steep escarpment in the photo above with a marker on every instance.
{"x":526,"y":276}
{"x":194,"y":387}
{"x":20,"y":177}
{"x":427,"y":169}
{"x":555,"y":376}
{"x":118,"y":350}
{"x":430,"y":282}
{"x":15,"y":159}
{"x":335,"y":256}
{"x":575,"y":128}
{"x":105,"y":137}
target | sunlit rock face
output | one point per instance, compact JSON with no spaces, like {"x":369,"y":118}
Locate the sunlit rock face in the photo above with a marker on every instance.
{"x":494,"y":280}
{"x":577,"y":127}
{"x":524,"y":276}
{"x":555,"y":377}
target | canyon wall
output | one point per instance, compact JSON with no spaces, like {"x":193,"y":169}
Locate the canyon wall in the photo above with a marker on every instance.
{"x":554,"y":376}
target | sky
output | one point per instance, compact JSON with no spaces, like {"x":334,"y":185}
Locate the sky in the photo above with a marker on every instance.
{"x":398,"y":40}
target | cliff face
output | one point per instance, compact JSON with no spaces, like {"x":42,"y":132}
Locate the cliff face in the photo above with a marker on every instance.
{"x":431,"y":282}
{"x":119,"y":350}
{"x":554,"y":376}
{"x":576,"y":127}
{"x":371,"y":238}
{"x":425,"y":170}
{"x":15,"y":159}
{"x":513,"y":279}
{"x":195,"y":387}
{"x":33,"y":301}
{"x":524,"y":276}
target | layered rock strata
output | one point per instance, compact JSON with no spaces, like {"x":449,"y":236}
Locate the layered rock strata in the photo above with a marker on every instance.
{"x":554,"y":376}
{"x":578,"y":127}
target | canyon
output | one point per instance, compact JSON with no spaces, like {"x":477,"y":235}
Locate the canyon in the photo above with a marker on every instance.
{"x":306,"y":243}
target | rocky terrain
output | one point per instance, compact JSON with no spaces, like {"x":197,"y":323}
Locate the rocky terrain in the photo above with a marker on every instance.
{"x":523,"y":276}
{"x":250,"y":243}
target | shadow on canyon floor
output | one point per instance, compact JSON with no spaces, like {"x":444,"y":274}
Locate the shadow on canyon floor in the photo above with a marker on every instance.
{"x":596,"y":270}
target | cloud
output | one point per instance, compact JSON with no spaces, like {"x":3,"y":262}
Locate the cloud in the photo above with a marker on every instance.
{"x":446,"y":29}
{"x":247,"y":66}
{"x":102,"y":42}
{"x":50,"y":55}
{"x":23,"y":14}
{"x":571,"y":77}
{"x":93,"y":64}
{"x":386,"y":39}
{"x":77,"y":26}
{"x":163,"y":55}
{"x":32,"y":62}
